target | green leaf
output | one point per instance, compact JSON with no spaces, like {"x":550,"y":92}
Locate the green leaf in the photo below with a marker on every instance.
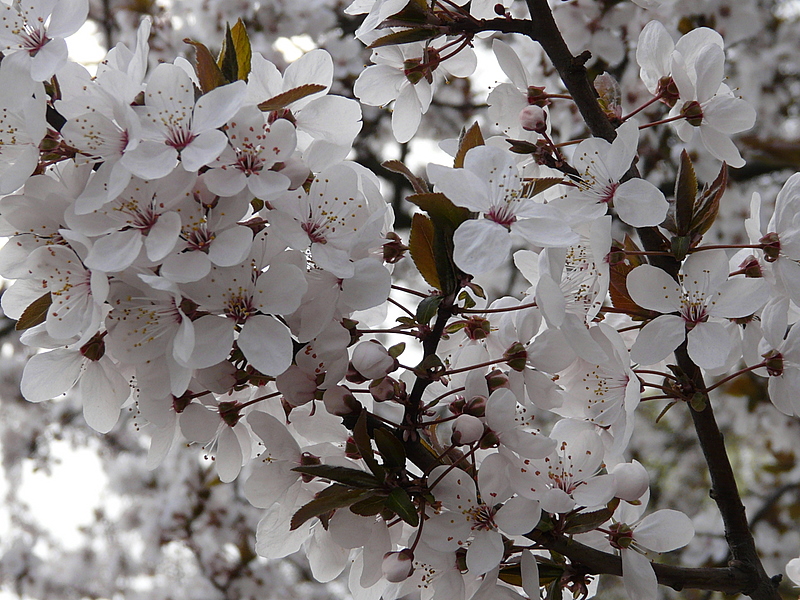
{"x":226,"y":61}
{"x":400,"y":503}
{"x":416,"y":11}
{"x":293,"y":95}
{"x":468,"y":140}
{"x":391,"y":449}
{"x":679,"y":246}
{"x":208,"y":72}
{"x":469,"y":301}
{"x":350,"y":477}
{"x":420,"y":244}
{"x":329,"y":499}
{"x":397,"y":349}
{"x":583,"y":522}
{"x":395,"y":166}
{"x":369,"y":506}
{"x":685,"y":194}
{"x":241,"y":43}
{"x":427,"y":308}
{"x":364,"y":445}
{"x":406,"y":36}
{"x":35,"y":314}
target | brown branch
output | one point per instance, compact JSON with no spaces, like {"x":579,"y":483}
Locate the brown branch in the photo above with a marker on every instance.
{"x":728,"y":580}
{"x":758,"y":585}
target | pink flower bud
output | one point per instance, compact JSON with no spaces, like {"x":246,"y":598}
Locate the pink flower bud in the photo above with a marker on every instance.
{"x":467,"y":429}
{"x":398,"y":566}
{"x":372,"y":360}
{"x":340,"y":401}
{"x":533,"y":118}
{"x":632,"y":480}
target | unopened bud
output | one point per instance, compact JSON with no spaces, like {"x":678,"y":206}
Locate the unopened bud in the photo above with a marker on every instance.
{"x":631,"y":480}
{"x":340,"y":401}
{"x":533,"y":118}
{"x":382,"y":389}
{"x":476,"y":407}
{"x":467,"y":430}
{"x":398,"y":566}
{"x":372,"y":360}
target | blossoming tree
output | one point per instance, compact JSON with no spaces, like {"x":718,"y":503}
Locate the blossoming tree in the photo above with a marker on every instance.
{"x":192,"y":242}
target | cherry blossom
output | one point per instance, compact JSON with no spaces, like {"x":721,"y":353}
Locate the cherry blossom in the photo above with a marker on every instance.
{"x":704,"y":296}
{"x":490,"y":183}
{"x":174,"y":125}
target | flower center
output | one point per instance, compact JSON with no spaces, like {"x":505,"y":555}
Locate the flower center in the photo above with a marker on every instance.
{"x":179,"y":137}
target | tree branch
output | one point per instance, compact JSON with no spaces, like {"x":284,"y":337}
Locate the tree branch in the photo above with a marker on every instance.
{"x":758,"y":585}
{"x":728,"y":580}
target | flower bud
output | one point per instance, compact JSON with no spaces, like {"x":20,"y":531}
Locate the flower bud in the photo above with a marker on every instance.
{"x":533,"y":118}
{"x":632,"y":480}
{"x":398,"y":566}
{"x":467,"y":430}
{"x":340,"y":401}
{"x":372,"y":360}
{"x":382,"y":389}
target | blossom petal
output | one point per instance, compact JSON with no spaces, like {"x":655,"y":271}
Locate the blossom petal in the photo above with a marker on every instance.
{"x":651,"y":288}
{"x":471,"y":240}
{"x":664,"y":530}
{"x":640,"y":204}
{"x":638,"y":576}
{"x":50,"y":374}
{"x":658,"y":339}
{"x":485,"y":552}
{"x":267,"y":345}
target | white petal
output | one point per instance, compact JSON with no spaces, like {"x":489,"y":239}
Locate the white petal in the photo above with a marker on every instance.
{"x":228,"y":459}
{"x":510,"y":64}
{"x":407,"y":114}
{"x":267,"y":344}
{"x":230,"y":247}
{"x":472,"y":241}
{"x":640,"y":204}
{"x":658,"y":339}
{"x":199,"y":424}
{"x":651,"y":288}
{"x":485,"y":552}
{"x":739,"y":297}
{"x":213,"y":341}
{"x":163,"y":236}
{"x":203,"y":150}
{"x":709,"y":345}
{"x":638,"y":576}
{"x":518,"y":516}
{"x":103,"y":391}
{"x":217,"y":107}
{"x":530,"y":574}
{"x":115,"y":251}
{"x":50,"y":374}
{"x":664,"y":530}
